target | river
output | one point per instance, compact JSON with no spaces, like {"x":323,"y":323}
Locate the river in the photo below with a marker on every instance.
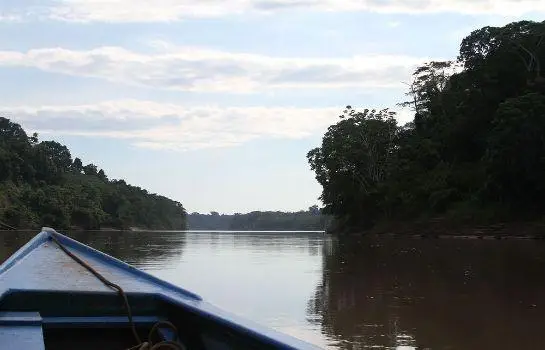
{"x":351,"y":294}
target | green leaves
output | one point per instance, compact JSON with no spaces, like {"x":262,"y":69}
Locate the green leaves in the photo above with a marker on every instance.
{"x":40,"y":185}
{"x":353,"y":159}
{"x":515,"y":156}
{"x":478,"y":138}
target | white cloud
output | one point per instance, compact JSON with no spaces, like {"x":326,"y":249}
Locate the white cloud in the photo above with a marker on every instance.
{"x":196,"y":69}
{"x":172,"y":10}
{"x":170,"y":126}
{"x":10,"y":18}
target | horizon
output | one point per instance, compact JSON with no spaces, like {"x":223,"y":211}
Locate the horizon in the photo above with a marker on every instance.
{"x":244,"y":213}
{"x":216,"y":104}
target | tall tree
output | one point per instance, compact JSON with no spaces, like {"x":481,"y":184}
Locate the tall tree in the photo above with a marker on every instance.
{"x":353,"y":161}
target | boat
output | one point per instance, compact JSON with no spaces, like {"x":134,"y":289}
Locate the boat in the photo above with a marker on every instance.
{"x":57,"y":293}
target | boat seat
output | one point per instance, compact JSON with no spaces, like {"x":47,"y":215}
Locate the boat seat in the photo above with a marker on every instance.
{"x":21,"y":330}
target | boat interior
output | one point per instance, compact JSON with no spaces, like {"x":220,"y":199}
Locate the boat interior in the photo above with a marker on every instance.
{"x":52,"y":320}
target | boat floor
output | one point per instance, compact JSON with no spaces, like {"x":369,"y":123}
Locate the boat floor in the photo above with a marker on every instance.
{"x":90,"y":339}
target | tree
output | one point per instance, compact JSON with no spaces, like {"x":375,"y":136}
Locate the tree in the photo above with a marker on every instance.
{"x":314,"y":209}
{"x":34,"y":139}
{"x":12,"y":133}
{"x":101,"y":175}
{"x":515,"y":157}
{"x":474,"y":150}
{"x":58,"y":155}
{"x":90,"y":169}
{"x":429,"y":82}
{"x":15,"y":151}
{"x":352,"y":162}
{"x":41,"y":185}
{"x":77,"y":166}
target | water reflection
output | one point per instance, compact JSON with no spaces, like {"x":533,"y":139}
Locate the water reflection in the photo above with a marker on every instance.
{"x":10,"y":241}
{"x":432,"y":294}
{"x":141,"y":249}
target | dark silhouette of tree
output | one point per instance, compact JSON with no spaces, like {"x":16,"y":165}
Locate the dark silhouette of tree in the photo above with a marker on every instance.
{"x":475,"y":151}
{"x":77,"y":166}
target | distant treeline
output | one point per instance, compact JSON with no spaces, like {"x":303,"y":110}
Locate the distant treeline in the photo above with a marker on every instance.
{"x":474,"y":153}
{"x":41,"y":185}
{"x":311,"y":220}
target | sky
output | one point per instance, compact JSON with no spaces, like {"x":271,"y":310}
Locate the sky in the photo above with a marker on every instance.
{"x":215,"y":103}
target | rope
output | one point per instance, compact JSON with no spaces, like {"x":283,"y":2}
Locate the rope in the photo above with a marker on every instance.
{"x":166,"y":344}
{"x":174,"y":345}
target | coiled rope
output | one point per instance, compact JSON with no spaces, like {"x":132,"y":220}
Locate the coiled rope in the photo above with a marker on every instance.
{"x":149,"y":345}
{"x":165,"y":344}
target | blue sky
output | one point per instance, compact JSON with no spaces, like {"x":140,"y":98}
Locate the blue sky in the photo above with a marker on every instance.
{"x":215,"y":103}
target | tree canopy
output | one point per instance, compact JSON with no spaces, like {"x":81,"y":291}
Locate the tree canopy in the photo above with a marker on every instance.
{"x":475,"y":150}
{"x":41,"y":185}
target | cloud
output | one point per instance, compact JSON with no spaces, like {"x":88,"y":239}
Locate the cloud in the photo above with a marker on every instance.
{"x":10,"y":18}
{"x":20,"y":10}
{"x":197,"y":69}
{"x":170,"y":126}
{"x":173,"y":10}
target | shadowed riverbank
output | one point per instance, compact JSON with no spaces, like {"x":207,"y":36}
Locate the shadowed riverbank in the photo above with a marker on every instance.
{"x":440,"y":229}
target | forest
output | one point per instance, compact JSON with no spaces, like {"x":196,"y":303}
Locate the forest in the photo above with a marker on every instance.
{"x":41,"y":185}
{"x":303,"y":220}
{"x":475,"y":152}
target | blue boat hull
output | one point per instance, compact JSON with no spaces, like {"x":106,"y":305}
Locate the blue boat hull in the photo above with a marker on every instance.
{"x":50,"y":301}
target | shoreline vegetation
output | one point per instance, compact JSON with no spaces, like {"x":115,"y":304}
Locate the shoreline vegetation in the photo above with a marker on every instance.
{"x":438,"y":229}
{"x":303,"y":220}
{"x":41,"y":185}
{"x":472,"y":162}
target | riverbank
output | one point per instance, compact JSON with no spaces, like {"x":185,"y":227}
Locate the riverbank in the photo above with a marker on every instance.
{"x":440,"y":229}
{"x":77,"y":229}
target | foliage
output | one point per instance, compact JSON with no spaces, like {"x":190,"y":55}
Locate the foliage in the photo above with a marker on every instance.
{"x":353,"y":161}
{"x":477,"y":139}
{"x":40,"y":185}
{"x":302,"y":220}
